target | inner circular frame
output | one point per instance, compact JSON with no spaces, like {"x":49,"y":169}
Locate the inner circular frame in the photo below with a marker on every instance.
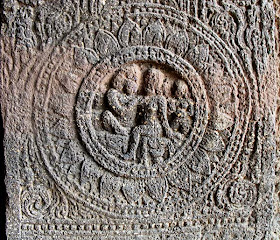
{"x":112,"y":63}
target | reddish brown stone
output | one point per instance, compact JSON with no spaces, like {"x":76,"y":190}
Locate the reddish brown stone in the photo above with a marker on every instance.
{"x":133,"y":120}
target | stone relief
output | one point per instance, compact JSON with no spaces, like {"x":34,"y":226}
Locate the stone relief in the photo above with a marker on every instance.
{"x":140,"y":120}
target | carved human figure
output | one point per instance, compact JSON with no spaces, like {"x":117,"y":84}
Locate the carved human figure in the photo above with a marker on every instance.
{"x":123,"y":103}
{"x":183,"y":109}
{"x":154,"y":123}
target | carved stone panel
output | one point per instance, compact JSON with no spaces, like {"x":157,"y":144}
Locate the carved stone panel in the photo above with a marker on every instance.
{"x":140,"y":119}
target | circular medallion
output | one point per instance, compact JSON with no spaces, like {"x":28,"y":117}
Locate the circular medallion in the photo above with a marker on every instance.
{"x":148,"y":129}
{"x":137,"y":112}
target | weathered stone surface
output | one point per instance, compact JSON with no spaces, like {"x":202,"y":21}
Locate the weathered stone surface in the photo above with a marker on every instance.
{"x":277,"y":182}
{"x":141,"y":119}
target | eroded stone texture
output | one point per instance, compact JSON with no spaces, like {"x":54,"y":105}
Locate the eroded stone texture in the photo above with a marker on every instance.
{"x":140,"y":119}
{"x":277,"y":183}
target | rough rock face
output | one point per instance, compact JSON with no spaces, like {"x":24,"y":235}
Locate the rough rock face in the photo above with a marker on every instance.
{"x":277,"y":182}
{"x":135,"y":119}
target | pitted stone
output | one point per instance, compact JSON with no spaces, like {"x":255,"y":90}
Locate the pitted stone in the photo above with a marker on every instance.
{"x":140,"y":119}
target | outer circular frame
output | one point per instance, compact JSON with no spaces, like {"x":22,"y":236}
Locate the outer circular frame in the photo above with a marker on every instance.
{"x":162,"y":56}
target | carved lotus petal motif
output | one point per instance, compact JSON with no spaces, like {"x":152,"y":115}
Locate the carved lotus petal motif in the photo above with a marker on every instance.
{"x":105,"y":43}
{"x":61,"y":104}
{"x":68,"y":80}
{"x":212,"y":141}
{"x":84,"y":55}
{"x":222,"y":121}
{"x":178,"y":43}
{"x":200,"y":162}
{"x":154,"y":34}
{"x":133,"y":190}
{"x":109,"y":184}
{"x":89,"y":171}
{"x":130,"y":34}
{"x":199,"y":54}
{"x":61,"y":129}
{"x":180,"y":178}
{"x":70,"y":154}
{"x":157,"y":188}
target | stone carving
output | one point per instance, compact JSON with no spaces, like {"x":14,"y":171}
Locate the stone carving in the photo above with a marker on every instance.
{"x":140,"y":120}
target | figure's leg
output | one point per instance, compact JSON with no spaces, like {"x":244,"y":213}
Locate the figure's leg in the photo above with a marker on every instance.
{"x":144,"y":152}
{"x":133,"y":143}
{"x":111,"y":122}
